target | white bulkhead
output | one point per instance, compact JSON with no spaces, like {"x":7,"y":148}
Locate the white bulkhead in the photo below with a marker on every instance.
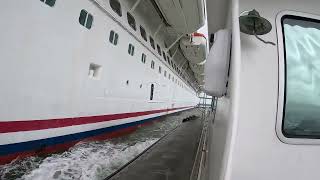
{"x":267,"y":124}
{"x":83,"y":58}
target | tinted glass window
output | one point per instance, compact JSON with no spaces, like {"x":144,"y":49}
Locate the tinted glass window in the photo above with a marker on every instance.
{"x":49,"y":2}
{"x":302,"y":77}
{"x":113,"y":37}
{"x":89,"y":21}
{"x":116,"y":7}
{"x":152,"y":64}
{"x":164,"y":55}
{"x":131,"y":49}
{"x":116,"y":36}
{"x":151,"y":91}
{"x":143,"y":33}
{"x":85,"y":19}
{"x":143,"y":58}
{"x":131,"y":21}
{"x":152,"y":42}
{"x":160,"y":69}
{"x":159,"y":49}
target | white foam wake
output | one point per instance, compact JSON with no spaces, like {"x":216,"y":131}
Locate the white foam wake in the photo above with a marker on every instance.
{"x":87,"y":161}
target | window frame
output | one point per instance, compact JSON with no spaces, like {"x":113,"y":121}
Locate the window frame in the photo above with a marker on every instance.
{"x":282,"y":79}
{"x":119,"y":13}
{"x":134,"y":24}
{"x":143,"y":58}
{"x":131,"y":49}
{"x":113,"y":37}
{"x":152,"y":43}
{"x":151,"y":92}
{"x":86,"y":18}
{"x":143,"y":33}
{"x":159,"y":49}
{"x":164,"y":56}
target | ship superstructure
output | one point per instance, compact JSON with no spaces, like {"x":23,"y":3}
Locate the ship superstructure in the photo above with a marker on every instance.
{"x":93,"y":69}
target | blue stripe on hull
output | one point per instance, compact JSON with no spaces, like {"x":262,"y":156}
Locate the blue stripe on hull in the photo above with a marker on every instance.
{"x":38,"y":144}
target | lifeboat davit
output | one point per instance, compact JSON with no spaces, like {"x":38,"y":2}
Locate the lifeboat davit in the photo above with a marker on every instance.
{"x":185,"y":16}
{"x":194,"y":48}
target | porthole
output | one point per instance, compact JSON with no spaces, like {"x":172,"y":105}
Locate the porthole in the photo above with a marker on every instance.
{"x":85,"y":19}
{"x":131,"y":49}
{"x":113,"y":37}
{"x":143,"y":58}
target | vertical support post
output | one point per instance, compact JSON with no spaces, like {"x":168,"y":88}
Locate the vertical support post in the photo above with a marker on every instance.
{"x":157,"y":31}
{"x":135,"y":6}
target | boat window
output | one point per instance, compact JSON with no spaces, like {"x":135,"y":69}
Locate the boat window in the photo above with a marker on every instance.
{"x":143,"y":33}
{"x":49,"y":2}
{"x":301,"y":115}
{"x":152,"y":64}
{"x":152,"y":42}
{"x":160,"y":69}
{"x":169,"y":76}
{"x":85,"y":19}
{"x":131,"y":49}
{"x":143,"y":58}
{"x":151,"y":91}
{"x":116,"y":36}
{"x":131,"y":21}
{"x":164,"y":55}
{"x":165,"y":73}
{"x":159,"y":49}
{"x":113,"y":37}
{"x":116,"y":7}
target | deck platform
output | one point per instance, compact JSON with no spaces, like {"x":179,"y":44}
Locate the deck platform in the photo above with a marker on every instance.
{"x":171,"y":158}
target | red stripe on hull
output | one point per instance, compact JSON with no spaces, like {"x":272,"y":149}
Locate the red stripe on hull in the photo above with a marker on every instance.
{"x":65,"y":146}
{"x":30,"y":125}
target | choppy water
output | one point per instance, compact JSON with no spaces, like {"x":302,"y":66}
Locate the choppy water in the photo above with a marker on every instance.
{"x":91,"y":160}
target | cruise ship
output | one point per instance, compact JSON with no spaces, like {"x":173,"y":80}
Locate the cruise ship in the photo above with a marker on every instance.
{"x":93,"y":69}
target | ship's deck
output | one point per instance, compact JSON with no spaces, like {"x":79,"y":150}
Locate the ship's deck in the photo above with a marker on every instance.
{"x":172,"y":157}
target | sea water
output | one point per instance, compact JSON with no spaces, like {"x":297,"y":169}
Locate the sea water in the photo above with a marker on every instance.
{"x":93,"y":160}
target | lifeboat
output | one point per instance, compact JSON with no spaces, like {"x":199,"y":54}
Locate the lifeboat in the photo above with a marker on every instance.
{"x":185,"y":16}
{"x":194,"y":48}
{"x":199,"y":77}
{"x":197,"y":68}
